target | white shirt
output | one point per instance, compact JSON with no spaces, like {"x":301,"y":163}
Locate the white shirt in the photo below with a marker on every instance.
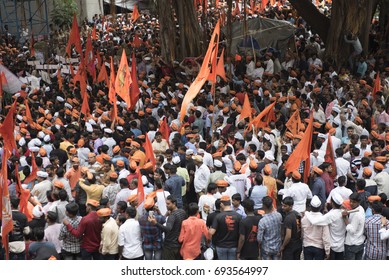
{"x":201,"y":178}
{"x":241,"y":183}
{"x":342,"y":167}
{"x":131,"y":239}
{"x":342,"y":191}
{"x":206,"y":200}
{"x":355,"y":228}
{"x":110,"y":142}
{"x":123,"y":174}
{"x":161,"y":201}
{"x":207,"y":159}
{"x":299,"y":192}
{"x":52,"y":234}
{"x":40,"y":189}
{"x":382,"y":180}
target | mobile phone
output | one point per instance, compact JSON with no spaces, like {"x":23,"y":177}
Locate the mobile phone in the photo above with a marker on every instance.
{"x":151,"y":214}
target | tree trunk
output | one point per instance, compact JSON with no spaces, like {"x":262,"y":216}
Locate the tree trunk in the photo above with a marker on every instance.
{"x":364,"y":36}
{"x":167,"y":32}
{"x":319,"y":22}
{"x":189,"y":28}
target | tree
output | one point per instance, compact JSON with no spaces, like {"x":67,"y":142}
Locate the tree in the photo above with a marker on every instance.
{"x":347,"y":17}
{"x":63,"y":11}
{"x":189,"y":29}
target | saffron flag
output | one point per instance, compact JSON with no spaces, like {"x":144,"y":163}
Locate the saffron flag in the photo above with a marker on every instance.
{"x":3,"y":81}
{"x":164,"y":129}
{"x":137,"y":42}
{"x":294,"y":122}
{"x":74,"y":38}
{"x":94,"y":33}
{"x":28,"y":112}
{"x":302,"y":152}
{"x":5,"y":204}
{"x":23,"y":194}
{"x":149,"y":150}
{"x":135,"y":14}
{"x":114,"y":110}
{"x":246,"y":109}
{"x":123,"y":80}
{"x":103,"y":75}
{"x":261,"y":120}
{"x":7,"y":131}
{"x":134,"y":91}
{"x":59,"y":78}
{"x":111,"y":92}
{"x":34,"y":170}
{"x":330,"y":156}
{"x":203,"y":74}
{"x":85,"y":99}
{"x":377,"y":85}
{"x":220,"y":71}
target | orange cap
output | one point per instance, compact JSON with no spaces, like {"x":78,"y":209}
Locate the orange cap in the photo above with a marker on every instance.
{"x":367,"y":172}
{"x":267,"y":169}
{"x":296,"y":175}
{"x":221,"y":183}
{"x":104,"y":212}
{"x":58,"y":184}
{"x":317,"y":170}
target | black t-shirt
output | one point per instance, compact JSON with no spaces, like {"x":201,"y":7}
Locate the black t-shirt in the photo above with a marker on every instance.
{"x":249,"y":228}
{"x":226,"y":225}
{"x":19,"y":222}
{"x":210,"y":218}
{"x":293,"y":221}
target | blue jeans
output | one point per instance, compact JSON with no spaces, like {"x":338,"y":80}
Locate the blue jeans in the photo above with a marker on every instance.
{"x":17,"y":256}
{"x":226,"y":253}
{"x":313,"y":253}
{"x":269,"y":256}
{"x":353,"y":252}
{"x":153,"y":254}
{"x":90,"y":255}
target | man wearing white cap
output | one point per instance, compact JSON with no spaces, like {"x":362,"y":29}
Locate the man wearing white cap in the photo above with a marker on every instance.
{"x":201,"y":178}
{"x":47,"y":145}
{"x":108,"y":140}
{"x":217,"y":174}
{"x":336,"y":225}
{"x":40,"y":189}
{"x":316,"y":239}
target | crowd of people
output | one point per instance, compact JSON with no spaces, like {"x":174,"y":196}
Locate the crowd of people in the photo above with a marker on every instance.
{"x":218,"y":188}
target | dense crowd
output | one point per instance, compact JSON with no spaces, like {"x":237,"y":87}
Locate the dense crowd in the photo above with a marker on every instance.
{"x":218,"y":188}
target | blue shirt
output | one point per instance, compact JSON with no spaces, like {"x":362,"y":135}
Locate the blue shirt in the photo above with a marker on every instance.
{"x":269,"y":233}
{"x":174,"y":186}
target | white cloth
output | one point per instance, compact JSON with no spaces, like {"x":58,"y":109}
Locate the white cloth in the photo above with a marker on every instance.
{"x":201,"y":178}
{"x":206,"y":201}
{"x":131,"y":239}
{"x":299,"y":192}
{"x":355,"y":228}
{"x":342,"y":167}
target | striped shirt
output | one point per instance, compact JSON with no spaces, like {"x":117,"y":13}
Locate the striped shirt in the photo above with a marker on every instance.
{"x":375,"y":248}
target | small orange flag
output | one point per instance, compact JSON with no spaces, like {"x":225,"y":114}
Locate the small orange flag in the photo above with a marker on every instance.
{"x":3,"y":81}
{"x":103,"y":75}
{"x":123,"y":80}
{"x":28,"y":112}
{"x":34,"y":170}
{"x":74,"y":38}
{"x":134,"y":90}
{"x":164,"y":129}
{"x":111,"y":92}
{"x":7,"y":131}
{"x":23,"y":194}
{"x":302,"y":152}
{"x":85,"y":110}
{"x":294,"y":123}
{"x":135,"y":14}
{"x":59,"y":78}
{"x":330,"y":156}
{"x":114,"y":110}
{"x":149,"y":150}
{"x":377,"y":85}
{"x":94,"y":33}
{"x":246,"y":109}
{"x":137,"y":42}
{"x":220,"y":71}
{"x":261,"y":120}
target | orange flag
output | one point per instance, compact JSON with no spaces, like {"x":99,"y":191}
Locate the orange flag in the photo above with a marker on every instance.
{"x":112,"y":93}
{"x":3,"y":81}
{"x":330,"y":156}
{"x":123,"y":80}
{"x":302,"y":152}
{"x":32,"y":42}
{"x":294,"y":123}
{"x":88,"y":49}
{"x":236,"y":11}
{"x":34,"y":170}
{"x":149,"y":150}
{"x":213,"y":73}
{"x":164,"y":129}
{"x":135,"y":14}
{"x":257,"y":121}
{"x":59,"y":78}
{"x":23,"y":194}
{"x":7,"y":131}
{"x":74,"y":38}
{"x":377,"y":84}
{"x":72,"y":71}
{"x":5,"y":204}
{"x":137,"y":42}
{"x":103,"y":75}
{"x":28,"y":112}
{"x":246,"y":109}
{"x":85,"y":99}
{"x":134,"y":91}
{"x":114,"y":110}
{"x":203,"y":74}
{"x":141,"y":190}
{"x":264,"y":4}
{"x":220,"y":71}
{"x":94,"y":34}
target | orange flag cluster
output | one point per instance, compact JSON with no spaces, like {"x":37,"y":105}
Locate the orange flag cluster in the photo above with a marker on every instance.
{"x":74,"y":38}
{"x":302,"y":152}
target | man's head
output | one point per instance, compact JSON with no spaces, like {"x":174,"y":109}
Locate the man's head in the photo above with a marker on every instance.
{"x":248,"y":205}
{"x":171,"y":203}
{"x":355,"y":200}
{"x":71,"y":209}
{"x":236,"y":200}
{"x":130,"y":213}
{"x":267,"y":203}
{"x":193,"y":209}
{"x":287,"y":204}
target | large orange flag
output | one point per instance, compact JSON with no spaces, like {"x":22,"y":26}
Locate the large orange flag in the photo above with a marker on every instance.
{"x":149,"y":150}
{"x":302,"y":152}
{"x":135,"y":14}
{"x":7,"y":131}
{"x":261,"y":120}
{"x":294,"y":123}
{"x":103,"y":75}
{"x":5,"y":204}
{"x":23,"y":194}
{"x":377,"y":85}
{"x":164,"y":129}
{"x":34,"y":170}
{"x":220,"y":71}
{"x":74,"y":38}
{"x":246,"y":110}
{"x":330,"y":156}
{"x":123,"y":80}
{"x":111,"y":92}
{"x":134,"y":91}
{"x":203,"y":74}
